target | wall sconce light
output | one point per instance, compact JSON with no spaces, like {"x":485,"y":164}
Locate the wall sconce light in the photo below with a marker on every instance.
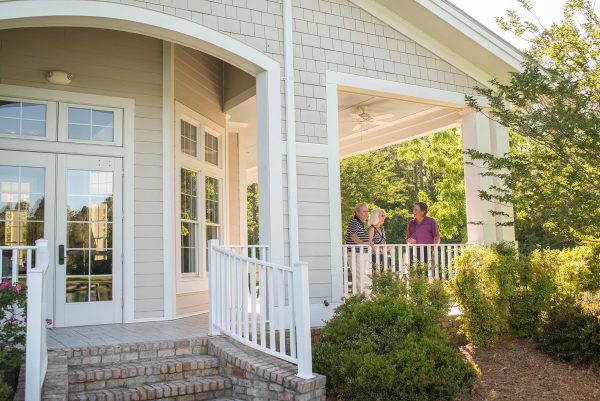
{"x":59,"y":77}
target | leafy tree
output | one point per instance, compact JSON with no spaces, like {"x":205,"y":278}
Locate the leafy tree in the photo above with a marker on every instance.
{"x":552,"y":107}
{"x":252,"y":213}
{"x":429,"y":169}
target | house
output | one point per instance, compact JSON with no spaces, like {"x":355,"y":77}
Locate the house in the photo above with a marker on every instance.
{"x":129,"y":131}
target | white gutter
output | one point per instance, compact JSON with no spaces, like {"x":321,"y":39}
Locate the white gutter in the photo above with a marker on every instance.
{"x":290,"y":125}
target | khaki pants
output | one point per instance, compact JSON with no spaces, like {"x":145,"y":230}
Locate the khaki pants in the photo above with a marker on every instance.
{"x":360,"y":281}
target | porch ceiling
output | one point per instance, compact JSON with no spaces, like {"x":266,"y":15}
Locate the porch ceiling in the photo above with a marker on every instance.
{"x":394,"y":121}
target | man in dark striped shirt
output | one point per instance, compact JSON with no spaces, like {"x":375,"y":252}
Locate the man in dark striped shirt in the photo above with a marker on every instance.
{"x":356,"y":233}
{"x":357,"y":258}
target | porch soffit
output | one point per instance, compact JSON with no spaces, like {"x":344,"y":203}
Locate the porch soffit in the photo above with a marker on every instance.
{"x":448,"y":32}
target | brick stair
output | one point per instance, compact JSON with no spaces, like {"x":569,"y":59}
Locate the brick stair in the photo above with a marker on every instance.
{"x":174,"y":370}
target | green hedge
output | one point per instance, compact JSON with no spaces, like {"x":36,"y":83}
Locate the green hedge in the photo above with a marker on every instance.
{"x":390,"y":346}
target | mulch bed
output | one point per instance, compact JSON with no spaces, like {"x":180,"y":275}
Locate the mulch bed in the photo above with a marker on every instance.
{"x":514,"y":369}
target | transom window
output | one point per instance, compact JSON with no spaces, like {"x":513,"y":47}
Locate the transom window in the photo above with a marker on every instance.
{"x":22,"y":118}
{"x":211,"y":149}
{"x":189,"y":143}
{"x":91,"y":125}
{"x":53,"y":120}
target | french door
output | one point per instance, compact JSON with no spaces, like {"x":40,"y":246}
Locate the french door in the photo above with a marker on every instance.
{"x":76,"y":203}
{"x":89,"y":245}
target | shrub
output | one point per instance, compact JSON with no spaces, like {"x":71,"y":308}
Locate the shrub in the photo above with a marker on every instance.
{"x":486,"y":280}
{"x":6,"y":391}
{"x":389,"y":346}
{"x":572,"y":330}
{"x":12,"y":326}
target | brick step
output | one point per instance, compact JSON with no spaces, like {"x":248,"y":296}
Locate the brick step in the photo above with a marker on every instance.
{"x":133,"y":373}
{"x":195,"y":388}
{"x":135,"y":351}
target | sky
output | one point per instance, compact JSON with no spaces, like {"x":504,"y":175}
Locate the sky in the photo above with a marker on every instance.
{"x":485,"y":11}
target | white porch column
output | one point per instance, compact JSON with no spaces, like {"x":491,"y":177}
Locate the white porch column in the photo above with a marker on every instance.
{"x":270,"y":163}
{"x":481,"y":224}
{"x":500,"y":147}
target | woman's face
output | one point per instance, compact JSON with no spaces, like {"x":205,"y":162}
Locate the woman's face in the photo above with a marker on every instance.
{"x":381,"y":218}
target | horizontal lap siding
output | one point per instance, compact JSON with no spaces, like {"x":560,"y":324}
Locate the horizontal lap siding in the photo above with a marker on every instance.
{"x":109,"y":63}
{"x":313,"y":224}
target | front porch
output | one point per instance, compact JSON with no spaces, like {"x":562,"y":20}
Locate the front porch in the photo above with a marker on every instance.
{"x":124,"y":333}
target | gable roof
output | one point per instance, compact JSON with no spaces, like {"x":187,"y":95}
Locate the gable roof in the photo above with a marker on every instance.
{"x":451,"y":34}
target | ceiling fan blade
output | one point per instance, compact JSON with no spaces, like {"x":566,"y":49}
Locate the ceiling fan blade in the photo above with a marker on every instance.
{"x":382,"y":123}
{"x":355,"y":116}
{"x":383,"y":117}
{"x":357,"y":127}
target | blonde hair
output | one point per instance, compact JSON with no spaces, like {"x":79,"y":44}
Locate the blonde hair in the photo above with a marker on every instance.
{"x":375,"y":214}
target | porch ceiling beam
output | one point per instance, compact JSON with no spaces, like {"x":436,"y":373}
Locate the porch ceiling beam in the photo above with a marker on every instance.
{"x":403,"y":134}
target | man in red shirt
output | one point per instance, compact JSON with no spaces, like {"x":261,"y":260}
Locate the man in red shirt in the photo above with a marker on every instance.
{"x":422,"y":229}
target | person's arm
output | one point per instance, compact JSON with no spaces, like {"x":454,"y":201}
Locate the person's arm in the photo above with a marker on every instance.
{"x":355,"y":238}
{"x":436,"y":233}
{"x":371,"y":232}
{"x":409,"y":238}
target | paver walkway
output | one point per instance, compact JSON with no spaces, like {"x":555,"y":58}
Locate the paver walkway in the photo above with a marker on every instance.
{"x":121,"y":333}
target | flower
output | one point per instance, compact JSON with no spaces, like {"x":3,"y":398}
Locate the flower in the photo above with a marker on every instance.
{"x":48,"y":321}
{"x":5,"y":284}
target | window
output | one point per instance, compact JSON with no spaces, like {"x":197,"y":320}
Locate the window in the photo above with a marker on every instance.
{"x":21,"y":212}
{"x":189,"y":220}
{"x":91,"y":125}
{"x":211,"y":149}
{"x":211,"y":190}
{"x":22,"y":118}
{"x":189,"y":142}
{"x":199,"y":160}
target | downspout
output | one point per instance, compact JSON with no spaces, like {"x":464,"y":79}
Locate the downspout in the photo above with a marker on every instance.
{"x":290,"y":125}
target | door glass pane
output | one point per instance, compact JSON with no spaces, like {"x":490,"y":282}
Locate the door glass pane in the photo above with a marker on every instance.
{"x":212,"y":200}
{"x":89,"y":124}
{"x":21,"y":213}
{"x":21,"y":118}
{"x":89,"y":235}
{"x":189,"y":220}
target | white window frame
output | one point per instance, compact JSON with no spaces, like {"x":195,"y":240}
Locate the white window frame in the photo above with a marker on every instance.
{"x":51,"y":115}
{"x":197,"y":281}
{"x":63,"y":123}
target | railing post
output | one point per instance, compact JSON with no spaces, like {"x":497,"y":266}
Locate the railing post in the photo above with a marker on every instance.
{"x":212,"y":288}
{"x":34,"y":353}
{"x":302,"y":309}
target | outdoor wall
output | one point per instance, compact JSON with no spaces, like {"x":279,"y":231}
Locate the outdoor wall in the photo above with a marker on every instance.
{"x":118,"y":64}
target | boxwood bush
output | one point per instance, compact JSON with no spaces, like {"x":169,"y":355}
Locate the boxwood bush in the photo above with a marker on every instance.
{"x":389,"y":346}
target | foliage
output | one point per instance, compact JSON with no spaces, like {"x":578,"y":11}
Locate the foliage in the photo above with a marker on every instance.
{"x":252,"y":214}
{"x":12,"y":325}
{"x":6,"y":391}
{"x":552,"y":107}
{"x":429,"y":169}
{"x":389,"y":346}
{"x":572,"y":331}
{"x":485,"y":281}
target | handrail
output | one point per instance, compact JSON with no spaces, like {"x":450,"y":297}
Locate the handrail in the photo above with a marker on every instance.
{"x":36,"y":351}
{"x":359,"y":262}
{"x":261,"y":304}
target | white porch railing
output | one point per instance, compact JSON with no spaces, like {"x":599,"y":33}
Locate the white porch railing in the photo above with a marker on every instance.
{"x":261,"y":304}
{"x":36,"y":351}
{"x":359,"y":262}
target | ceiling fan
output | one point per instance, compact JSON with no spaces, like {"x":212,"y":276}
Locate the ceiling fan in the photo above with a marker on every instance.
{"x":362,"y":118}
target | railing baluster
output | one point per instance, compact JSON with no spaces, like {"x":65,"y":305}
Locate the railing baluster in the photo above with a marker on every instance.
{"x":262,"y":287}
{"x":291,"y":314}
{"x":253,"y":301}
{"x":353,"y":269}
{"x":15,"y":267}
{"x":345,"y":270}
{"x":436,"y":261}
{"x":245,"y":292}
{"x":271,"y":299}
{"x":281,"y":302}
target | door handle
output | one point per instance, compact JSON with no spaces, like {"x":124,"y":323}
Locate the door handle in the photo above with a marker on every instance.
{"x":61,"y":255}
